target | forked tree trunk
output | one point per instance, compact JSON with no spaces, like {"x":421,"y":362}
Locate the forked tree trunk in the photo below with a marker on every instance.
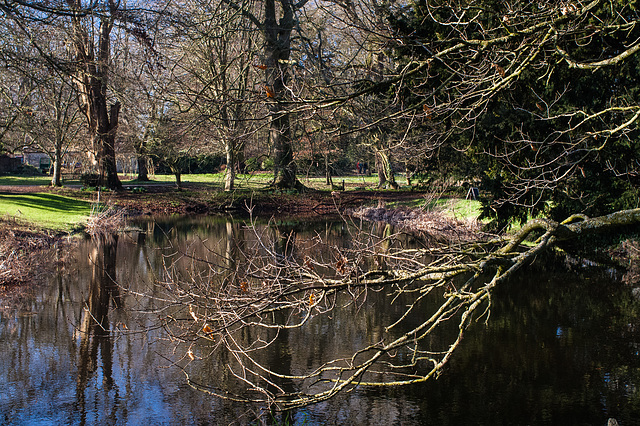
{"x":103,"y":125}
{"x":93,"y":63}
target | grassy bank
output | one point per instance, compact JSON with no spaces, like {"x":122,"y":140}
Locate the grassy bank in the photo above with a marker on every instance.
{"x":44,"y":211}
{"x":63,"y":209}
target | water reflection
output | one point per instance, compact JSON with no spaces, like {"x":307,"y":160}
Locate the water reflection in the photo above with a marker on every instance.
{"x":94,"y":330}
{"x":558,"y":348}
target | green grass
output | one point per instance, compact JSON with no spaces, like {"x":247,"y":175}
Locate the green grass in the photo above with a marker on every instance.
{"x":243,"y":181}
{"x":194,"y":178}
{"x":461,"y":209}
{"x":253,"y":181}
{"x":46,"y":211}
{"x":216,"y":180}
{"x":25,"y":180}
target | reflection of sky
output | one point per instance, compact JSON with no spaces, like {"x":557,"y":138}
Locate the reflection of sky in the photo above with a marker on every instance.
{"x":38,"y":385}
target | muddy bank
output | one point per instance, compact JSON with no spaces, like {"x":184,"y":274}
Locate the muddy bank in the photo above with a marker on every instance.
{"x":202,"y":199}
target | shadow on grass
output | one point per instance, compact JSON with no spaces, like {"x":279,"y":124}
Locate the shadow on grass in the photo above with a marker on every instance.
{"x":25,"y":180}
{"x":49,"y":202}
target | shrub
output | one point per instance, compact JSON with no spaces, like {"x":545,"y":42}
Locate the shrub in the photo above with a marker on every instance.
{"x":267,"y":163}
{"x":90,"y":179}
{"x":28,"y":170}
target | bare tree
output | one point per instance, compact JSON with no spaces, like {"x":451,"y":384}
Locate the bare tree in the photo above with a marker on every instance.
{"x":55,"y":124}
{"x":276,"y":23}
{"x":91,"y":44}
{"x":91,"y":35}
{"x":215,"y":60}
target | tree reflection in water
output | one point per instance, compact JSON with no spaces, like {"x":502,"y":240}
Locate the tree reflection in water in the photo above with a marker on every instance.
{"x":94,"y":329}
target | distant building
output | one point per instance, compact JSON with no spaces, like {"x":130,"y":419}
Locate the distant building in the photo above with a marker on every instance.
{"x":9,"y":163}
{"x":37,"y":159}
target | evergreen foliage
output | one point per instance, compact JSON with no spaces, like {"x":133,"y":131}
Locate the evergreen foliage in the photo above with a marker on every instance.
{"x":544,"y":134}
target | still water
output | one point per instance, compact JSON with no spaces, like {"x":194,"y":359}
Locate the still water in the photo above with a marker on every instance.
{"x":560,"y":346}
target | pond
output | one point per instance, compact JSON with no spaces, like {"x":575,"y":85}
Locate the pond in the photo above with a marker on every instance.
{"x":561,"y":344}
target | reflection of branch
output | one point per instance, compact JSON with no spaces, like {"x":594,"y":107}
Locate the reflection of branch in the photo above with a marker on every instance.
{"x":283,"y":292}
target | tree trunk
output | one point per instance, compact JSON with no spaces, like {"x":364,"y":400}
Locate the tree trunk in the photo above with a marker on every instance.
{"x":91,"y":78}
{"x":408,"y":174}
{"x":574,"y":226}
{"x":385,"y":172}
{"x":178,"y":174}
{"x":142,"y":158}
{"x":327,"y":170}
{"x":104,"y":138}
{"x":230,"y":171}
{"x":277,"y":52}
{"x":56,"y":178}
{"x":143,"y":169}
{"x":107,"y":163}
{"x":284,"y":166}
{"x":382,"y":177}
{"x":241,"y":163}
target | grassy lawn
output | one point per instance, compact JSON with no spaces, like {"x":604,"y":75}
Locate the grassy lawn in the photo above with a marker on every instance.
{"x":461,"y":209}
{"x":216,"y":180}
{"x":25,"y":180}
{"x":260,"y":180}
{"x":60,"y":213}
{"x":46,"y":211}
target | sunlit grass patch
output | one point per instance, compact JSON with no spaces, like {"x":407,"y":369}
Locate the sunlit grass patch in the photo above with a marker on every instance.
{"x":259,"y":180}
{"x":352,"y":182}
{"x":25,"y":180}
{"x":460,"y":208}
{"x":205,"y":178}
{"x":42,"y":210}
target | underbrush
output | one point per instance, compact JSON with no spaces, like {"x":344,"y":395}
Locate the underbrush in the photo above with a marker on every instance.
{"x":434,"y":225}
{"x":21,"y":256}
{"x":105,"y":221}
